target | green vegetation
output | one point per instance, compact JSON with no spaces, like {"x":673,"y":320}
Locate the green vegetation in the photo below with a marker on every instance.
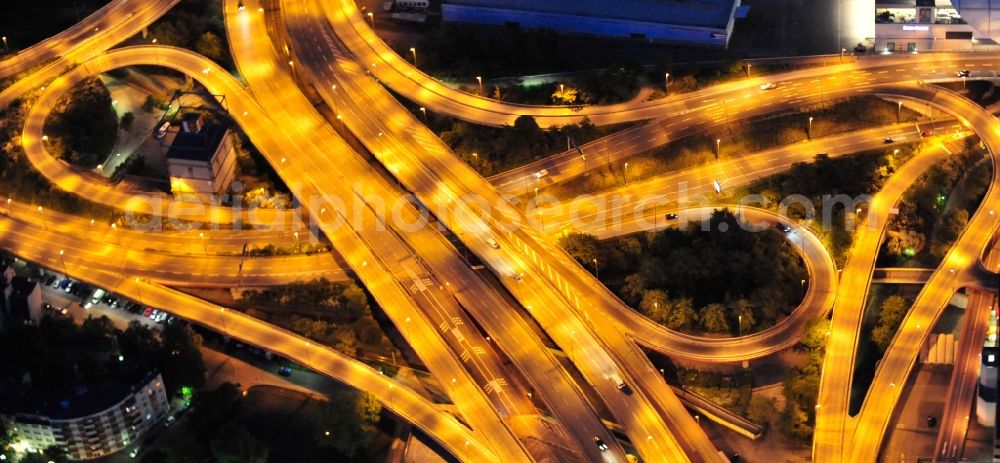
{"x":213,"y":431}
{"x":20,"y":181}
{"x":700,"y":281}
{"x":936,"y":208}
{"x":347,"y":422}
{"x":852,"y":176}
{"x":58,"y":353}
{"x":492,"y":150}
{"x":729,"y":391}
{"x":83,"y":127}
{"x":334,"y":314}
{"x":269,"y":424}
{"x":890,"y":316}
{"x":738,"y":139}
{"x":196,"y":25}
{"x":801,"y":387}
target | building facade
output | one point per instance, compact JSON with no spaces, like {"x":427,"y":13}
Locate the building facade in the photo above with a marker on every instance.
{"x":912,"y":26}
{"x":696,"y":22}
{"x":98,"y":433}
{"x":201,"y":159}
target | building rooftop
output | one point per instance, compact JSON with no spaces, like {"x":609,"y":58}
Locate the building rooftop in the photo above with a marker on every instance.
{"x":200,"y":145}
{"x":85,"y":399}
{"x":700,"y":13}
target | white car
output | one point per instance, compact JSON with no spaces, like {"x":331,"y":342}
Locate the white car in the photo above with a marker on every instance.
{"x":493,"y":243}
{"x":768,"y":86}
{"x":541,"y":173}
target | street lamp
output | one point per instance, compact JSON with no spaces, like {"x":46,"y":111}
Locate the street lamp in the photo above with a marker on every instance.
{"x":842,"y":51}
{"x":63,"y":260}
{"x":597,"y":270}
{"x":203,"y":242}
{"x":371,"y":17}
{"x":423,"y":111}
{"x":5,"y":47}
{"x":296,"y":242}
{"x":480,"y":80}
{"x":748,"y":69}
{"x":809,"y":133}
{"x":899,"y":111}
{"x":666,"y":82}
{"x":625,"y":173}
{"x":380,"y":153}
{"x":414,"y":51}
{"x":741,"y":325}
{"x":718,"y":148}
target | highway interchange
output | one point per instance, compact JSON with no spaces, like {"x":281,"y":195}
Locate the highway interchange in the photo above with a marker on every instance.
{"x":330,"y":46}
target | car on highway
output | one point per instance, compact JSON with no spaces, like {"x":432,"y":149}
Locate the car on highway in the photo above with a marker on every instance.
{"x":783,"y":227}
{"x":600,"y":444}
{"x":672,"y":216}
{"x":241,"y":6}
{"x":285,"y":371}
{"x":541,"y":173}
{"x":964,"y":73}
{"x":926,"y":133}
{"x":931,"y":421}
{"x":888,"y":140}
{"x":492,"y":243}
{"x":768,"y":86}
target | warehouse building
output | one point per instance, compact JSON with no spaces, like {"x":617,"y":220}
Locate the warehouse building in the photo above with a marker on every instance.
{"x":695,"y":22}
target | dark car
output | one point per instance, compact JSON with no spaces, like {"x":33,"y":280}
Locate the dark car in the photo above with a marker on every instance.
{"x":285,"y":371}
{"x":671,"y":216}
{"x":49,"y":279}
{"x":926,"y":133}
{"x":600,"y":444}
{"x":888,"y":140}
{"x":964,"y":73}
{"x":784,"y":228}
{"x":931,"y":421}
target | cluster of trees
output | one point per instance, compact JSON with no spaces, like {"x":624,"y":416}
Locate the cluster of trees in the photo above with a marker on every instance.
{"x":59,"y":353}
{"x":83,"y":128}
{"x":333,"y":314}
{"x":347,"y":423}
{"x":929,"y":220}
{"x":196,"y":25}
{"x":851,"y":176}
{"x":732,"y":391}
{"x":801,"y":386}
{"x":502,"y":148}
{"x":214,"y":432}
{"x":722,"y":280}
{"x":22,"y":182}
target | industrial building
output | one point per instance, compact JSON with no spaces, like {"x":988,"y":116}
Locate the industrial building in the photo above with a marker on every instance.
{"x":695,"y":22}
{"x":201,"y":158}
{"x":913,"y":26}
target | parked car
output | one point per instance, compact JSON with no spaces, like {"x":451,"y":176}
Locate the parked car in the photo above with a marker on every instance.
{"x":285,"y":371}
{"x":149,"y":311}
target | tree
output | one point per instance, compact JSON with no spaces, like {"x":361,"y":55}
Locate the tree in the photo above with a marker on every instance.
{"x":210,"y":45}
{"x":655,"y":304}
{"x":893,"y":311}
{"x":745,"y":315}
{"x":180,"y":359}
{"x":234,"y":444}
{"x":347,"y":422}
{"x":583,"y":247}
{"x":633,"y":289}
{"x":948,"y":231}
{"x":713,"y":318}
{"x":682,"y":315}
{"x":128,"y":119}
